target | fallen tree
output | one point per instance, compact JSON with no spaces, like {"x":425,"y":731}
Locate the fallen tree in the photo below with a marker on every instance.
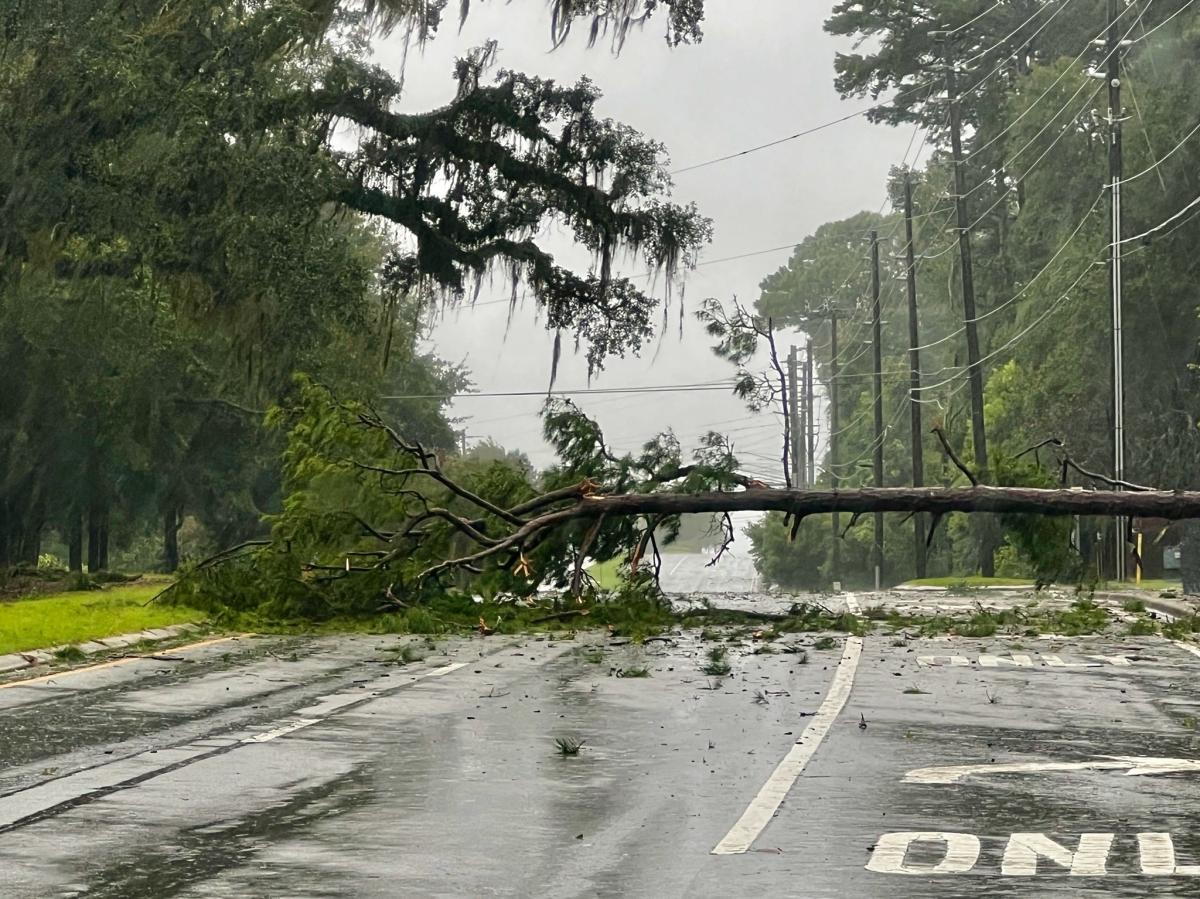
{"x":375,"y":521}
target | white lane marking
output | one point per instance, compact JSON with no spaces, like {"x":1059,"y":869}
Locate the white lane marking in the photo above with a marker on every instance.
{"x":281,"y":730}
{"x":1023,"y":660}
{"x":1194,"y":650}
{"x":763,"y":807}
{"x":1137,"y":765}
{"x":1024,"y":849}
{"x":331,"y":703}
{"x":961,"y":853}
{"x":1023,"y":853}
{"x":1156,"y":852}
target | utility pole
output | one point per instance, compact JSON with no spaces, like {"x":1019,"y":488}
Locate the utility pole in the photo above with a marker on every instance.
{"x":877,"y":345}
{"x":914,"y":374}
{"x":1115,"y":167}
{"x":797,"y":439}
{"x":805,"y":414}
{"x":810,"y":405}
{"x":835,"y":563}
{"x":462,"y":442}
{"x":974,"y":370}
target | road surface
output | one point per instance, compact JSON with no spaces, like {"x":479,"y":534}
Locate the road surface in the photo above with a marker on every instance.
{"x":688,"y":573}
{"x":882,"y":767}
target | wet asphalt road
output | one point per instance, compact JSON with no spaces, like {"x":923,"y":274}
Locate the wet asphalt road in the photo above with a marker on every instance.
{"x":279,"y":767}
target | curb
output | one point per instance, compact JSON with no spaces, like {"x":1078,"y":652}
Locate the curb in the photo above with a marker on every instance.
{"x":31,"y":658}
{"x":1174,"y":607}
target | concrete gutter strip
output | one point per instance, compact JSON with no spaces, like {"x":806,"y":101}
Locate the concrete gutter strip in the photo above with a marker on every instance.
{"x":30,"y":658}
{"x":1175,"y":606}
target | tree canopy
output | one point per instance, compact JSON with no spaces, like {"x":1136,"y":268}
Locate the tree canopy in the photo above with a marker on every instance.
{"x":202,"y":199}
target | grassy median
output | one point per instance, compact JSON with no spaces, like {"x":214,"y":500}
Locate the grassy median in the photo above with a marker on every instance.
{"x":76,"y":617}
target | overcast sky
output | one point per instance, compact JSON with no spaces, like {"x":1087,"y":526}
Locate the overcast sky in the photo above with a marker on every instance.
{"x":763,"y":71}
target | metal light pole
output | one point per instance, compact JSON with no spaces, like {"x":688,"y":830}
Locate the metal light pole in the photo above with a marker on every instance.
{"x":1113,"y":76}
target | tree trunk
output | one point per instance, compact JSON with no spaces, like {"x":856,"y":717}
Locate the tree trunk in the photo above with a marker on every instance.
{"x":31,"y":528}
{"x":103,"y":551}
{"x":171,"y":539}
{"x":1189,"y":561}
{"x":74,"y":536}
{"x":31,"y":545}
{"x":1174,"y":505}
{"x":97,"y":550}
{"x":5,"y":555}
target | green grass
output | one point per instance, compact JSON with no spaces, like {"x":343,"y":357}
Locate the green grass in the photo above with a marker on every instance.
{"x":973,"y":580}
{"x":69,"y":618}
{"x":607,"y":574}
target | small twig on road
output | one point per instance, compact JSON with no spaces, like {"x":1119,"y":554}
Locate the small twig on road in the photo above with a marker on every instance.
{"x":558,"y":616}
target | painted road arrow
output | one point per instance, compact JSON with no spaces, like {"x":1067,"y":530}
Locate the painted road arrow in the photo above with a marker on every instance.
{"x":1136,"y":765}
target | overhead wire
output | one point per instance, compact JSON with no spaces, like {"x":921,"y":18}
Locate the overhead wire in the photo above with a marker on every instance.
{"x":1146,"y":34}
{"x":882,"y":105}
{"x":1137,"y":108}
{"x":1092,"y":263}
{"x":581,"y":391}
{"x":1149,"y":231}
{"x":1004,"y":40}
{"x":976,"y":18}
{"x":1154,"y":166}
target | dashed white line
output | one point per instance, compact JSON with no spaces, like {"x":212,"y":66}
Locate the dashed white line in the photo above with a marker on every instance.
{"x":338,"y":701}
{"x":266,"y":736}
{"x":764,"y":806}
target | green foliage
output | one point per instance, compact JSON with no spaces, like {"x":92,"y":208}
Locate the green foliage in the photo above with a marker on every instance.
{"x":1143,"y":627}
{"x":716,"y":662}
{"x":1034,"y":160}
{"x":1082,"y":617}
{"x":182,"y":234}
{"x":1043,"y":541}
{"x":791,"y":565}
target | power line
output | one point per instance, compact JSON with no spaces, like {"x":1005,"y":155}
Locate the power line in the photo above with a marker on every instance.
{"x":782,"y":140}
{"x":970,"y":59}
{"x":975,"y":19}
{"x":1169,"y":154}
{"x":1067,"y":69}
{"x":1052,"y":118}
{"x":868,"y":109}
{"x":1146,"y":34}
{"x":1066,"y":295}
{"x":1192,"y":205}
{"x":1062,"y":132}
{"x":582,"y":391}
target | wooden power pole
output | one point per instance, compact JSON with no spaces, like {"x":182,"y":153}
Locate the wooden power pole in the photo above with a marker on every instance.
{"x":914,"y":374}
{"x":811,"y":406}
{"x":970,"y":320}
{"x":877,"y":346}
{"x":835,"y":563}
{"x":795,"y":462}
